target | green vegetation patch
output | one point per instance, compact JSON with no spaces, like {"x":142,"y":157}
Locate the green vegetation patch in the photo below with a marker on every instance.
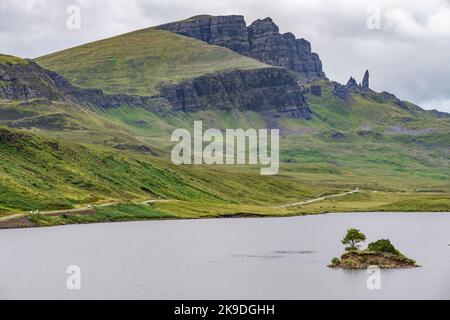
{"x":7,"y":59}
{"x":114,"y":213}
{"x":381,"y":253}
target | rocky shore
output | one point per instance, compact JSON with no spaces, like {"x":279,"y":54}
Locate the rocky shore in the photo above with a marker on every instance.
{"x":365,"y":259}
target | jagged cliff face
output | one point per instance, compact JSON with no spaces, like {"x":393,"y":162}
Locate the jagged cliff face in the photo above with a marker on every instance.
{"x":272,"y":90}
{"x":343,"y":92}
{"x":261,"y":40}
{"x":269,"y":90}
{"x":96,"y":97}
{"x":29,"y":81}
{"x":24,"y":81}
{"x":269,"y":46}
{"x":365,"y":83}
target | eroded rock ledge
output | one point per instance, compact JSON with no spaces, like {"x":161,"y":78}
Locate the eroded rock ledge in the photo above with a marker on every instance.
{"x":261,"y":41}
{"x":268,"y":89}
{"x":30,"y":81}
{"x":263,"y":90}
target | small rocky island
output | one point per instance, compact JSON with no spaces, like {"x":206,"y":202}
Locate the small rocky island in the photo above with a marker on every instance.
{"x":381,"y":253}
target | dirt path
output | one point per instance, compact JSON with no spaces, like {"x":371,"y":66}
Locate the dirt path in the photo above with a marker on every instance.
{"x":92,"y":207}
{"x":319,"y":199}
{"x":76,"y":210}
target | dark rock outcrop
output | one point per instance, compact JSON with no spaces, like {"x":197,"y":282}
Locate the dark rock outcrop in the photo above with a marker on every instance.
{"x":439,"y":114}
{"x":338,"y":135}
{"x":268,"y":90}
{"x":261,"y":40}
{"x":365,"y":82}
{"x":384,"y":97}
{"x":340,"y":91}
{"x":96,"y":97}
{"x":26,"y":81}
{"x":30,"y":81}
{"x":316,"y":90}
{"x":352,"y":84}
{"x":343,"y":92}
{"x":271,"y":47}
{"x":227,"y":31}
{"x":401,"y":104}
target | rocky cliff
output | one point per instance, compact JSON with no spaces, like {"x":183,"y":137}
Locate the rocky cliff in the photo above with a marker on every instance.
{"x":268,"y":90}
{"x":365,"y":83}
{"x":261,"y":40}
{"x":26,"y":81}
{"x":96,"y":97}
{"x":342,"y":91}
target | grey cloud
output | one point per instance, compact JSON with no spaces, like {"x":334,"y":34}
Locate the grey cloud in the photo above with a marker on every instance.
{"x":409,"y":56}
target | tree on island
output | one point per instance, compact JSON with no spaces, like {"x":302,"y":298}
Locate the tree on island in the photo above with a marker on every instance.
{"x":384,"y":245}
{"x":381,"y":253}
{"x":352,"y":239}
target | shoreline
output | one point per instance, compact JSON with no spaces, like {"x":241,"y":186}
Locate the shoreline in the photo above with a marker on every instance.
{"x":350,"y":201}
{"x":237,"y":216}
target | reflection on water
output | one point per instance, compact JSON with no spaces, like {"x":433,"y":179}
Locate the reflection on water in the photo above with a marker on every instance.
{"x":295,"y":252}
{"x":283,"y":258}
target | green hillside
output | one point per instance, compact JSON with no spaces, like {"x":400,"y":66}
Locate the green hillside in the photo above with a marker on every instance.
{"x":11,"y":59}
{"x":373,"y":111}
{"x":37,"y":172}
{"x":137,"y":62}
{"x":69,"y":121}
{"x":68,"y":155}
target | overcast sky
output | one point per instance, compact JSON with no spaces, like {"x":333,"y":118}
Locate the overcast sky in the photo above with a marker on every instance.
{"x":407,"y":50}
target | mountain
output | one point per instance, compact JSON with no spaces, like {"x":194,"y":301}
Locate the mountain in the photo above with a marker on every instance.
{"x":261,"y":41}
{"x":34,"y":98}
{"x":184,"y":73}
{"x":123,"y":97}
{"x":158,"y":65}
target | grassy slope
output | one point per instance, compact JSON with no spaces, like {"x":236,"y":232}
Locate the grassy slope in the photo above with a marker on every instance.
{"x":7,"y":59}
{"x":402,"y":172}
{"x":309,"y":151}
{"x":367,"y":114}
{"x":137,"y":62}
{"x":41,"y":173}
{"x":64,"y":175}
{"x":69,"y":121}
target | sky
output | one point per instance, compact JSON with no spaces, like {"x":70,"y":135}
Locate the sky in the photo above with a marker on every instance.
{"x":405,"y":44}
